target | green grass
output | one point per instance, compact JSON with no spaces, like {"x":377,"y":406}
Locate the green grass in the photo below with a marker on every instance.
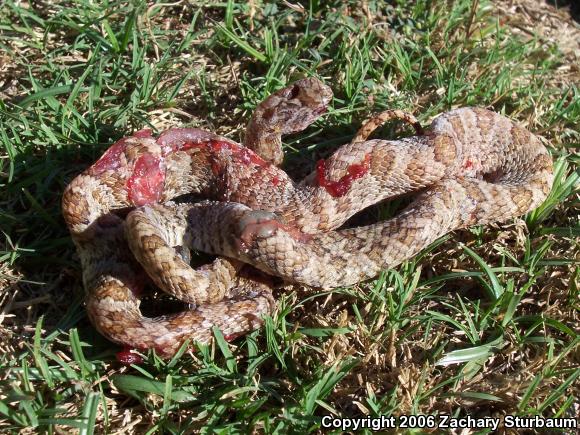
{"x":483,"y":322}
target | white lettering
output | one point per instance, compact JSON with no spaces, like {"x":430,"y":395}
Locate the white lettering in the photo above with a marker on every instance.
{"x":508,"y":421}
{"x":355,"y":424}
{"x":325,"y":421}
{"x":537,"y":422}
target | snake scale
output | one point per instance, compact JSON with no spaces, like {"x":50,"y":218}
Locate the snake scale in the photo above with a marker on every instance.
{"x":470,"y":166}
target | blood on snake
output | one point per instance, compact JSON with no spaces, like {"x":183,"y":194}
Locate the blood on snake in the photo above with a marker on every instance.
{"x":470,"y":166}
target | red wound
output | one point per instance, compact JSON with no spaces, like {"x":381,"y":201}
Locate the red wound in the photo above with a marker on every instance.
{"x":111,"y":159}
{"x":146,"y":183}
{"x":190,"y":145}
{"x":248,"y":156}
{"x":264,"y":229}
{"x":342,"y":186}
{"x":468,"y":164}
{"x":127,"y":357}
{"x":146,"y":132}
{"x":253,"y":230}
{"x":232,"y":337}
{"x":245,"y":155}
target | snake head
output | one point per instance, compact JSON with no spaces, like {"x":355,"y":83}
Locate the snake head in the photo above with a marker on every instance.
{"x":295,"y":107}
{"x":286,"y":111}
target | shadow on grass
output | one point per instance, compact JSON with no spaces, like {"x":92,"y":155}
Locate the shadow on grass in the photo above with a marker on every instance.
{"x":572,"y":5}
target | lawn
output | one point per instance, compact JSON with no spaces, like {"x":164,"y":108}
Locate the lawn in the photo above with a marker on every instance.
{"x":484,"y":322}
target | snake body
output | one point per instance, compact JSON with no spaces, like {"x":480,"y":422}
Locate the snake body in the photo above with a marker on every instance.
{"x":471,"y":166}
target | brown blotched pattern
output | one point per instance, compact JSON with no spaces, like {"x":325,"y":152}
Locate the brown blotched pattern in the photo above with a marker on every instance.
{"x":471,"y":166}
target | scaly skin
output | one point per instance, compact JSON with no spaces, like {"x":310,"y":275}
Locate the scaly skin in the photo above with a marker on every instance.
{"x":488,"y":170}
{"x":472,"y":165}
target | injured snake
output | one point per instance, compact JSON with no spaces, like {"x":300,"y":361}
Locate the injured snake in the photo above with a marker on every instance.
{"x":470,"y":166}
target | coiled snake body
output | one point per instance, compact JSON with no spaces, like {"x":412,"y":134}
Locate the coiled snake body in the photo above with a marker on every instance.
{"x":471,"y":166}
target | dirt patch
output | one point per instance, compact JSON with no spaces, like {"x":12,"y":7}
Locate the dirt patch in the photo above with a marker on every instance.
{"x":552,"y":21}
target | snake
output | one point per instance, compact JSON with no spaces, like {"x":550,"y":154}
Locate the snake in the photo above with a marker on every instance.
{"x":139,"y":211}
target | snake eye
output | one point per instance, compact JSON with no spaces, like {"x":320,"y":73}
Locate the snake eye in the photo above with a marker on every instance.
{"x":294,"y":92}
